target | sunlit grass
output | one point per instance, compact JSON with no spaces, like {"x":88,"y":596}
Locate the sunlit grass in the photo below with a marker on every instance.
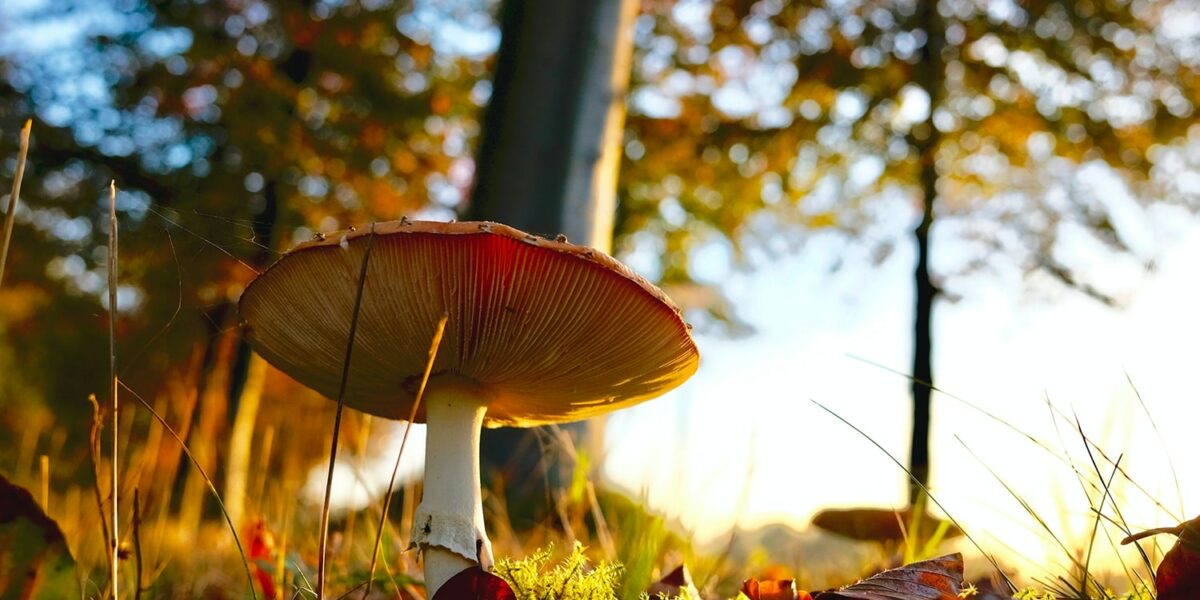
{"x":165,"y":553}
{"x":179,"y":560}
{"x":281,"y":537}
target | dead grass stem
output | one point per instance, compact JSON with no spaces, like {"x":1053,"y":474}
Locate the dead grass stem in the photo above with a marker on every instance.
{"x":434,"y":344}
{"x":337,"y":419}
{"x":10,"y":217}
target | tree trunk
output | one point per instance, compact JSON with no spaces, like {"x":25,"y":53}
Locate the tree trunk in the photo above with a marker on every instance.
{"x":550,"y":146}
{"x":930,"y":75}
{"x":551,"y":142}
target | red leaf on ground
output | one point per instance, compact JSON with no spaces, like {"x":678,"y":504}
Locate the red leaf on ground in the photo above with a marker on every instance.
{"x":1178,"y":576}
{"x":475,"y":584}
{"x":936,"y":579}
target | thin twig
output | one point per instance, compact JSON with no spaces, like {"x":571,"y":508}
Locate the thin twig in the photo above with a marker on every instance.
{"x":208,"y":480}
{"x":94,"y":454}
{"x":337,"y":419}
{"x":412,"y":415}
{"x":1176,"y":531}
{"x":112,"y":372}
{"x":11,"y":217}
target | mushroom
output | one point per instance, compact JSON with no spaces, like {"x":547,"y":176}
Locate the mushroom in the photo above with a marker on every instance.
{"x":539,"y":331}
{"x":885,"y":526}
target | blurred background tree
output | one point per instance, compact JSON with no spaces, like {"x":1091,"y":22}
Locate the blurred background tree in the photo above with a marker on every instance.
{"x":760,"y":118}
{"x":234,"y":130}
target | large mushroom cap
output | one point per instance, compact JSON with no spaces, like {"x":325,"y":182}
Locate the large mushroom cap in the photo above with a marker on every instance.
{"x":548,"y":331}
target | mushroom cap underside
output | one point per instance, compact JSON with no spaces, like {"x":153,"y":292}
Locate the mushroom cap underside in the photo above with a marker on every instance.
{"x":549,"y":331}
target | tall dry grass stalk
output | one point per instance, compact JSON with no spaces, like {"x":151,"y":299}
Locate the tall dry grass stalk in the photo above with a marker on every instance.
{"x":112,"y":366}
{"x":94,"y":455}
{"x":412,"y":415}
{"x":11,"y":217}
{"x":337,"y":419}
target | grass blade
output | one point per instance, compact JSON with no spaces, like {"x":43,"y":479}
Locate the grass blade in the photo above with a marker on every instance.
{"x":11,"y":217}
{"x":337,"y":419}
{"x":1011,"y":586}
{"x":208,"y":480}
{"x":1120,"y":520}
{"x":1028,"y":508}
{"x":1040,"y":444}
{"x":412,"y":414}
{"x":1161,"y":441}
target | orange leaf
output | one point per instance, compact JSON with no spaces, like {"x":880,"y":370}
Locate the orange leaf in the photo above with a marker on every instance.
{"x":936,"y":579}
{"x":774,"y":589}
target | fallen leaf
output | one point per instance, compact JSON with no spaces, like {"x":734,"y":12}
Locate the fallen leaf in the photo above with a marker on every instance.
{"x":937,"y":579}
{"x":34,"y":560}
{"x":773,"y":589}
{"x":1178,"y":576}
{"x":474,"y":583}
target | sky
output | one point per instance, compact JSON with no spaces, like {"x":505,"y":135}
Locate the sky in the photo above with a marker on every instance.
{"x":745,"y":443}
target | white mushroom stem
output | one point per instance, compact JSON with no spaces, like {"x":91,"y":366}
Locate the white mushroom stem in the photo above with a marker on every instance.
{"x":448,"y":526}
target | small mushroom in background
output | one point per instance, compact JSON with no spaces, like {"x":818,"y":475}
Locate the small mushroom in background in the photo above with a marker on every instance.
{"x":880,"y":524}
{"x":887,"y":527}
{"x":538,"y":332}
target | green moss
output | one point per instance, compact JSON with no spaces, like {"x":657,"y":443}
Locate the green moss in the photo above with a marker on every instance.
{"x":571,"y":579}
{"x":1035,"y":594}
